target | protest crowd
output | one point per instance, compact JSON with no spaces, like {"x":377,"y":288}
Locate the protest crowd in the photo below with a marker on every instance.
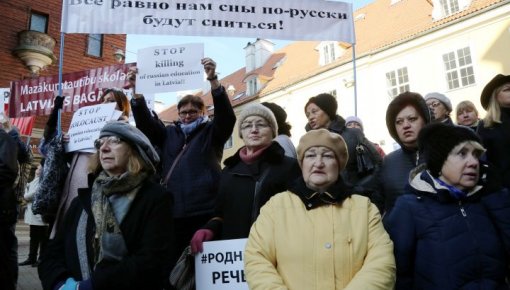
{"x":334,"y":212}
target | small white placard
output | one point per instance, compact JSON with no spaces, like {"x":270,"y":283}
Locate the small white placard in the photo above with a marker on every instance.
{"x":86,"y":124}
{"x":221,"y":266}
{"x":170,"y":68}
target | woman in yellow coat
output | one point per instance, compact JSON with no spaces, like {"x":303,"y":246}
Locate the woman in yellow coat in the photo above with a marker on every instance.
{"x":318,"y":235}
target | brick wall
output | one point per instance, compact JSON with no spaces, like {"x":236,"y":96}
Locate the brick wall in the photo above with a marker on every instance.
{"x":15,"y":17}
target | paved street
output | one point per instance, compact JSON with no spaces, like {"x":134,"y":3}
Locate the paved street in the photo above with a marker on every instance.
{"x":28,"y":278}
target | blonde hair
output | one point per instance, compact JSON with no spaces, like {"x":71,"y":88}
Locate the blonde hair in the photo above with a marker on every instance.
{"x":4,"y":122}
{"x":493,"y":116}
{"x":465,"y":106}
{"x":135,"y":163}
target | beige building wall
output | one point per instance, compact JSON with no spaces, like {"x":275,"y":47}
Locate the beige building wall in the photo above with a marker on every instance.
{"x":487,"y":35}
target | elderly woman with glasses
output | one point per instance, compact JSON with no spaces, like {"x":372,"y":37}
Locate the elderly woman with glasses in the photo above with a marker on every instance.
{"x":76,"y":176}
{"x":118,"y":232}
{"x":318,"y":235}
{"x":192,"y":149}
{"x":451,"y":229}
{"x":251,"y":176}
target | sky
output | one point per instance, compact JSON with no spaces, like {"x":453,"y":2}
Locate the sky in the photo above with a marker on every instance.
{"x":228,"y":52}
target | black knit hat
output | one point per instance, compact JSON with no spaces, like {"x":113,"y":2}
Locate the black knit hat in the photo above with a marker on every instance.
{"x":281,"y":117}
{"x":325,"y":102}
{"x":437,"y":140}
{"x":399,"y":103}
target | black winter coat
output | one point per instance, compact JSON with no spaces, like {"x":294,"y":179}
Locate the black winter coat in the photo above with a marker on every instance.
{"x":496,"y":140}
{"x":8,"y":174}
{"x":443,"y":243}
{"x":244,"y":189}
{"x":147,"y":230}
{"x":195,"y":178}
{"x":394,"y":177}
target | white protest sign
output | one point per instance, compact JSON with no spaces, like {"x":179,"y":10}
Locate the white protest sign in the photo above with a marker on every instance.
{"x":86,"y":124}
{"x":4,"y":97}
{"x":284,"y":19}
{"x":221,"y":266}
{"x":170,"y":68}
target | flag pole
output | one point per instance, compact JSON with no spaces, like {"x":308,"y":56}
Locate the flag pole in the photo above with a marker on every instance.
{"x":354,"y":64}
{"x":60,"y":69}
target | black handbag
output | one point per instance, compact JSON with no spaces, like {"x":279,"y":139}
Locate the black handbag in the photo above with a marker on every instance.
{"x":182,"y":276}
{"x":364,"y":161}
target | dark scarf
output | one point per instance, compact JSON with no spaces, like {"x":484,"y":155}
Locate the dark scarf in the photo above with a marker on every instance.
{"x":335,"y":194}
{"x":111,"y":199}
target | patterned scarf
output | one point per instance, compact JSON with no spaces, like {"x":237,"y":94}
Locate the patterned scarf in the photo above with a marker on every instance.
{"x":189,"y":128}
{"x":111,"y":199}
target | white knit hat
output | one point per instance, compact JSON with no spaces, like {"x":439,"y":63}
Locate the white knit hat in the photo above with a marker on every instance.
{"x":261,"y":111}
{"x":440,"y":97}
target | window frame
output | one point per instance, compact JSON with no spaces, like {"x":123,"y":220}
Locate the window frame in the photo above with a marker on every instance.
{"x":401,"y":82}
{"x":459,"y":70}
{"x":101,"y":45}
{"x":44,"y":16}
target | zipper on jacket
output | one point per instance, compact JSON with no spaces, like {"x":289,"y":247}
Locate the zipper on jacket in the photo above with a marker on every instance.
{"x":462,"y":209}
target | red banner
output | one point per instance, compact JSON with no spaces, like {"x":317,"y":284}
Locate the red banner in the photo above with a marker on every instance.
{"x":34,"y":97}
{"x":24,"y":124}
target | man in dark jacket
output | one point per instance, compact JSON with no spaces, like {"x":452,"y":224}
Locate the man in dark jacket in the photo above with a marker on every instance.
{"x":406,"y":115}
{"x":8,"y":212}
{"x":192,"y":149}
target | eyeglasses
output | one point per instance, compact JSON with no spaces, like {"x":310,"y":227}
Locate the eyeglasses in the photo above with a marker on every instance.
{"x":257,"y":126}
{"x":112,"y":141}
{"x":434,"y":104}
{"x":192,"y":113}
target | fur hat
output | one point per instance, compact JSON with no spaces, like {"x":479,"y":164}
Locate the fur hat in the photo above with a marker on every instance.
{"x":325,"y":102}
{"x":351,"y":119}
{"x":261,"y":111}
{"x":134,"y":137}
{"x":497,"y":81}
{"x":323,"y":137}
{"x":399,"y":103}
{"x":437,"y":140}
{"x":440,"y":97}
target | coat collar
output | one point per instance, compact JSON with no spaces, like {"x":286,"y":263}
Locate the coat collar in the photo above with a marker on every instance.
{"x":273,"y":154}
{"x":336,"y":194}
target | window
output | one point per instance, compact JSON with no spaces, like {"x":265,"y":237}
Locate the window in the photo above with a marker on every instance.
{"x":328,"y":52}
{"x":449,"y":7}
{"x":95,"y":45}
{"x":228,"y":144}
{"x":38,"y":22}
{"x":252,"y":87}
{"x":459,"y":68}
{"x":397,"y":82}
{"x":333,"y":93}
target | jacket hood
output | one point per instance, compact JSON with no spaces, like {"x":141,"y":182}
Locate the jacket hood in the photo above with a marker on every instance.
{"x":423,"y":183}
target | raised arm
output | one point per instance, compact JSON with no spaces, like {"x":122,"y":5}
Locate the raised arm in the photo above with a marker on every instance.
{"x":224,"y":116}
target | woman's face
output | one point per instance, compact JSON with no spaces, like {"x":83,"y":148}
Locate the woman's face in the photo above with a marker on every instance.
{"x":503,"y":97}
{"x":256,"y":132}
{"x":113,"y":154}
{"x":408,"y":124}
{"x":320,"y":168}
{"x":317,"y":118}
{"x":462,"y":166}
{"x":189,"y":113}
{"x":438,"y":109}
{"x":110,"y":98}
{"x":467,"y":117}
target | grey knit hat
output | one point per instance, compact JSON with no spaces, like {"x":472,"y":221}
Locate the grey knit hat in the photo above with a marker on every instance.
{"x":440,"y":97}
{"x":261,"y":111}
{"x":134,"y":137}
{"x":356,"y":119}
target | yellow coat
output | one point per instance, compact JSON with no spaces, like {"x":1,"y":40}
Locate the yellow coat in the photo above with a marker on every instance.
{"x":330,"y":247}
